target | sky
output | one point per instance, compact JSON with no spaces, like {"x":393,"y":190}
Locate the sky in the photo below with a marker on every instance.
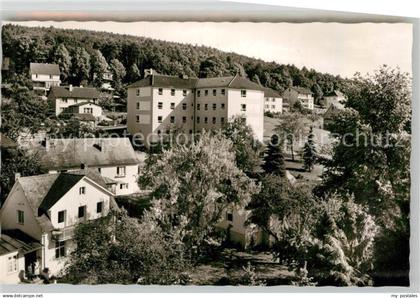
{"x":339,"y":49}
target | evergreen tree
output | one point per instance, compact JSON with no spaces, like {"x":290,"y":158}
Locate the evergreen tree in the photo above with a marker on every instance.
{"x":274,"y":159}
{"x":309,"y":152}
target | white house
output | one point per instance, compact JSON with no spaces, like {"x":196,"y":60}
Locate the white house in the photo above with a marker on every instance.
{"x":44,"y":76}
{"x":161,"y":104}
{"x":336,"y":97}
{"x":45,"y":209}
{"x":273,"y":102}
{"x":113,"y":158}
{"x":303,"y":95}
{"x":63,"y":97}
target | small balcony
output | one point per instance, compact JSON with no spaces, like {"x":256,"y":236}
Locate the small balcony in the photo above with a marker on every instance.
{"x":63,"y":234}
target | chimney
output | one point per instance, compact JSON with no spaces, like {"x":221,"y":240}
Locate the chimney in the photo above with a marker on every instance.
{"x":83,"y":166}
{"x":71,"y":88}
{"x":17,"y":176}
{"x":148,"y":72}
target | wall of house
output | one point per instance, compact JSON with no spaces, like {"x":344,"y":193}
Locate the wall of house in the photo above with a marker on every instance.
{"x":47,"y":80}
{"x":239,"y":232}
{"x":60,"y":104}
{"x":72,"y":200}
{"x":13,"y":276}
{"x":220,"y":113}
{"x":96,"y":110}
{"x":70,"y":203}
{"x":144,"y":126}
{"x":273,"y":104}
{"x":254,"y":113}
{"x":166,"y":112}
{"x":15,"y":201}
{"x":55,"y":265}
{"x":130,"y":178}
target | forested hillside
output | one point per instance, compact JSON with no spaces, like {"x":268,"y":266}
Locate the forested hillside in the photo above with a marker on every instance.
{"x":81,"y":53}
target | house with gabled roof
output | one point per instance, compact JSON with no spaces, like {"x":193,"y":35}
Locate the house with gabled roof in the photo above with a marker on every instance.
{"x":44,"y":76}
{"x":299,"y":94}
{"x":62,"y":97}
{"x":45,"y":210}
{"x":336,"y":97}
{"x":273,"y":101}
{"x":112,"y":158}
{"x":161,"y":104}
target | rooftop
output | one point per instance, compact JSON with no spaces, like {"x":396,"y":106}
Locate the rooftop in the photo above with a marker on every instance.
{"x":74,"y":92}
{"x":44,"y":68}
{"x":6,"y":142}
{"x":16,"y":240}
{"x":234,"y":82}
{"x":268,"y":92}
{"x":72,"y":153}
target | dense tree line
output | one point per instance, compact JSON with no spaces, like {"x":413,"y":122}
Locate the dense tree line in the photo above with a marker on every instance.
{"x":81,"y":53}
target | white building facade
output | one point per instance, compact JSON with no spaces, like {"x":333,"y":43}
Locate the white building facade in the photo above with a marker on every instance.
{"x":47,"y":208}
{"x":273,"y":102}
{"x":63,"y":97}
{"x":44,"y":76}
{"x":163,"y":104}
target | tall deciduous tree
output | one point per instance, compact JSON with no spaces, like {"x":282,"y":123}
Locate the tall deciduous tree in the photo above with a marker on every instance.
{"x":118,"y":73}
{"x":99,"y":67}
{"x":194,"y":184}
{"x":63,"y":59}
{"x":247,"y":148}
{"x":291,"y":128}
{"x":134,"y":73}
{"x":80,"y":66}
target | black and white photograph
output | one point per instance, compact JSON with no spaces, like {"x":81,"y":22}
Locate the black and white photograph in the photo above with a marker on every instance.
{"x":190,"y":153}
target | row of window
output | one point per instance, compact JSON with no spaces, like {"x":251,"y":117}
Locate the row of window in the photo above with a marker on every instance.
{"x":268,"y":106}
{"x":81,"y":213}
{"x":184,"y":92}
{"x":273,"y":99}
{"x":184,"y":106}
{"x":184,"y":119}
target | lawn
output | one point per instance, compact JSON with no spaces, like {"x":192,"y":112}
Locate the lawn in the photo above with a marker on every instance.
{"x":229,"y":269}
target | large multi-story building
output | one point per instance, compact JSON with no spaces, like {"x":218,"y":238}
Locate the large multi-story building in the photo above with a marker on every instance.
{"x":39,"y":216}
{"x":160,"y":104}
{"x":273,"y":102}
{"x":44,"y":76}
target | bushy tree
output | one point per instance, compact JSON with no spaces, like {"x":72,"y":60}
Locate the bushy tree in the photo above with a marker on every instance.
{"x":290,"y":128}
{"x":371,"y":159}
{"x":134,"y":73}
{"x":118,"y":74}
{"x":80,"y":66}
{"x":247,"y":148}
{"x":309,"y":152}
{"x":123,"y":250}
{"x":17,"y":161}
{"x":62,"y":58}
{"x":273,"y":159}
{"x":193,"y":184}
{"x":99,"y":67}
